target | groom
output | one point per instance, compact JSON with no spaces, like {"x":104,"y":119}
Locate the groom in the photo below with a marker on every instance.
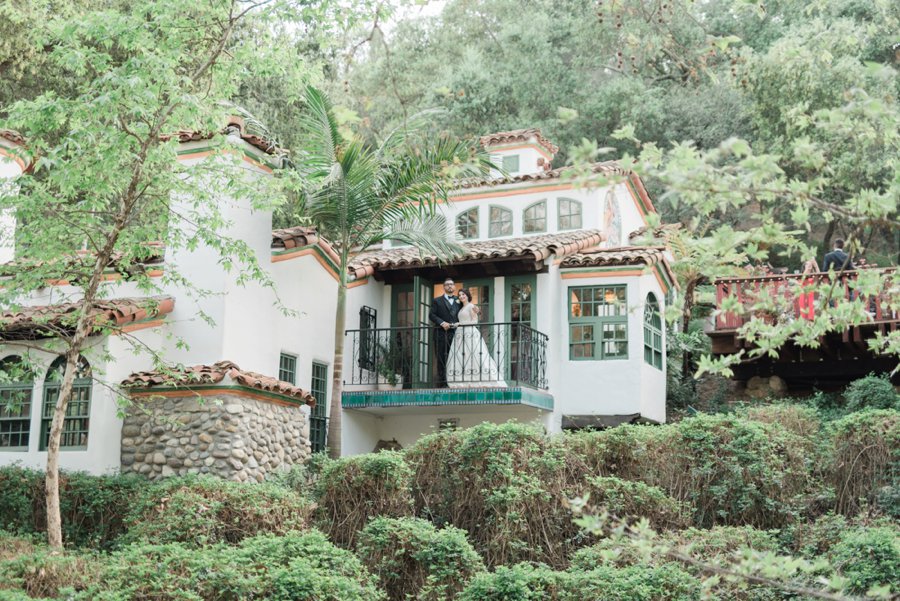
{"x":444,"y":314}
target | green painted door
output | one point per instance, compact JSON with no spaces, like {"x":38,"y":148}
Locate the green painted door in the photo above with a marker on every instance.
{"x":521,"y":295}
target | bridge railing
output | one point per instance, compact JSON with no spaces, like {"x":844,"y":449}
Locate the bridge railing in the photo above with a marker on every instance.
{"x":796,"y":296}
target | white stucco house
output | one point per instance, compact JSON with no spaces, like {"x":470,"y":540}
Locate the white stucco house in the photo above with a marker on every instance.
{"x":571,"y":315}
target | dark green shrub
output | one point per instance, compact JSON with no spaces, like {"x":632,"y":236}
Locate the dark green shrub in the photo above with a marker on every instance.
{"x":207,"y":510}
{"x":294,"y":567}
{"x":802,"y":420}
{"x":665,"y":582}
{"x":729,"y":470}
{"x":521,"y":582}
{"x":93,"y":508}
{"x":414,"y":560}
{"x":39,"y":573}
{"x":868,"y":557}
{"x":632,"y":501}
{"x":505,"y":485}
{"x":865,"y":457}
{"x":872,"y":392}
{"x":352,"y":490}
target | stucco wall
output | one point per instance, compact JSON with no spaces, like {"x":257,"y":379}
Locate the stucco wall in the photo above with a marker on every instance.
{"x":229,"y":435}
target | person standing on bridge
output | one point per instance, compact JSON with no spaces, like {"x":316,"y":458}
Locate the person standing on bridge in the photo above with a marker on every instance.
{"x":837,"y":258}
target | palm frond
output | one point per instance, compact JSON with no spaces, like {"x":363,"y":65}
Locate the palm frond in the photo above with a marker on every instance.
{"x":428,"y":233}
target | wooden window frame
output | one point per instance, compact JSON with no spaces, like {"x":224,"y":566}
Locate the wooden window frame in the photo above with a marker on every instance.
{"x":617,"y":318}
{"x":653,"y":335}
{"x":526,"y":219}
{"x":503,"y":211}
{"x":560,"y":215}
{"x":468,"y":226}
{"x":282,"y":369}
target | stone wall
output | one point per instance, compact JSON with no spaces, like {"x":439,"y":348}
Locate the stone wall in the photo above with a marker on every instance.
{"x":229,"y":435}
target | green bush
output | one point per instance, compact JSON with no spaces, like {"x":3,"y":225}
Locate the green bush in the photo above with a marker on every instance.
{"x":802,"y":420}
{"x":352,"y":490}
{"x":521,"y":582}
{"x":294,"y":567}
{"x":864,"y":459}
{"x":505,"y":485}
{"x":38,"y":573}
{"x":525,"y":582}
{"x":729,"y":470}
{"x":206,"y":510}
{"x":93,"y":508}
{"x":413,"y":560}
{"x":872,"y":392}
{"x":635,"y":500}
{"x":868,"y":557}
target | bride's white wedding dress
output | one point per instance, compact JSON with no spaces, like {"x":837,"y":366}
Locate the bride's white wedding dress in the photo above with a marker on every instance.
{"x":469,"y":362}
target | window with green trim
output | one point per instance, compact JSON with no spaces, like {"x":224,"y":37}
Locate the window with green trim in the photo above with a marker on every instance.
{"x":653,"y":351}
{"x":511,"y":163}
{"x":287,"y":368}
{"x":15,"y":404}
{"x":501,"y":222}
{"x":467,"y":224}
{"x":569,"y":214}
{"x":78,"y":412}
{"x":598,"y":323}
{"x":318,"y":423}
{"x":534,"y":219}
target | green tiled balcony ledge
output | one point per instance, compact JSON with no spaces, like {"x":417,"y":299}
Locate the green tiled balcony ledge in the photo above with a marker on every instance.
{"x":435,"y":397}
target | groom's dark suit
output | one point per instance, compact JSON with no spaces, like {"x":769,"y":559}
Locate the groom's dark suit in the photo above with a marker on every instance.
{"x":443,"y":311}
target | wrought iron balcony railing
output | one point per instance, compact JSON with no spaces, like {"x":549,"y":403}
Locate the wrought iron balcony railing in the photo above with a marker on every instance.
{"x":482,"y":355}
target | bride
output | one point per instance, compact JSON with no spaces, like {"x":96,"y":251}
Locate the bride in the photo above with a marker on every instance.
{"x":469,"y":362}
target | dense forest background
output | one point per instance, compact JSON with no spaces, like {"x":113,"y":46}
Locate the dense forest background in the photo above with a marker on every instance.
{"x":673,"y":70}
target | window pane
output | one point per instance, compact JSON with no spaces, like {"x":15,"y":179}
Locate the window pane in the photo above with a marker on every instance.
{"x":511,"y":163}
{"x":569,"y":214}
{"x":501,"y":222}
{"x":287,"y":368}
{"x":581,"y":342}
{"x":615,"y":341}
{"x":535,"y":218}
{"x":467,"y":224}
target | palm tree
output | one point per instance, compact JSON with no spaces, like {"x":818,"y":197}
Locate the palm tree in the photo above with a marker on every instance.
{"x":360,"y":195}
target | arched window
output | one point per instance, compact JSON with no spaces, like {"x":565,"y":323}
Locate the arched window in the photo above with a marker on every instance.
{"x":534,"y":218}
{"x":501,"y":222}
{"x":653,"y":351}
{"x":467,"y":224}
{"x":78,"y":411}
{"x":569,"y":214}
{"x":16,"y":383}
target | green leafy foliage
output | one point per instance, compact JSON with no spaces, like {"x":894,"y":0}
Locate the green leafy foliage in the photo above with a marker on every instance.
{"x":207,"y":510}
{"x":94,"y":508}
{"x":872,"y":392}
{"x":503,"y":484}
{"x":868,"y":557}
{"x":352,"y":490}
{"x":414,"y":560}
{"x":864,"y":458}
{"x":636,"y":500}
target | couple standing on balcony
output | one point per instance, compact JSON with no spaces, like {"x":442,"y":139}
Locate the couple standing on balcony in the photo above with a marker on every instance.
{"x":463,"y":357}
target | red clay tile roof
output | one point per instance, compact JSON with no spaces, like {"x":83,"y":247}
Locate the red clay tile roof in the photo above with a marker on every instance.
{"x":519,"y":135}
{"x":660,"y":232}
{"x":300,"y":236}
{"x":621,"y":256}
{"x":45,"y":321}
{"x":234,"y":123}
{"x":13,"y":136}
{"x":538,"y":248}
{"x":72,"y":266}
{"x":214,"y":374}
{"x":607,"y":168}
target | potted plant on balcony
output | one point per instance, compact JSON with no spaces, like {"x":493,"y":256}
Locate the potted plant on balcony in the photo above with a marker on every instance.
{"x":389,"y":366}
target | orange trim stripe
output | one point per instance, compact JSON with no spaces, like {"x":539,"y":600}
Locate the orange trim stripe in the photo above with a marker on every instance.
{"x":134,"y":327}
{"x":304,"y":252}
{"x":577,"y":275}
{"x":531,"y":190}
{"x":213,"y":392}
{"x":14,"y":158}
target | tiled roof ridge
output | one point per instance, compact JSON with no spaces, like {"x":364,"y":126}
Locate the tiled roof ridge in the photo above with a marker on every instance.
{"x":538,"y":247}
{"x":40,"y":321}
{"x":606,"y":167}
{"x":13,"y":136}
{"x":299,"y":236}
{"x":234,"y":122}
{"x":156,"y":257}
{"x":214,"y":374}
{"x":659,"y":231}
{"x":619,"y":255}
{"x":519,"y":135}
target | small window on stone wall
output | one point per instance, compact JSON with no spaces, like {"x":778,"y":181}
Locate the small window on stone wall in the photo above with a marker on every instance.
{"x":287,"y":368}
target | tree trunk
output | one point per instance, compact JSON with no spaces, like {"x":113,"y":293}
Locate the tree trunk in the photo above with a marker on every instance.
{"x":826,"y":240}
{"x":337,"y":384}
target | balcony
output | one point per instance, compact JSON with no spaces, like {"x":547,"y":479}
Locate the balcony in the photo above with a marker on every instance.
{"x":492,"y":364}
{"x":839,"y":356}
